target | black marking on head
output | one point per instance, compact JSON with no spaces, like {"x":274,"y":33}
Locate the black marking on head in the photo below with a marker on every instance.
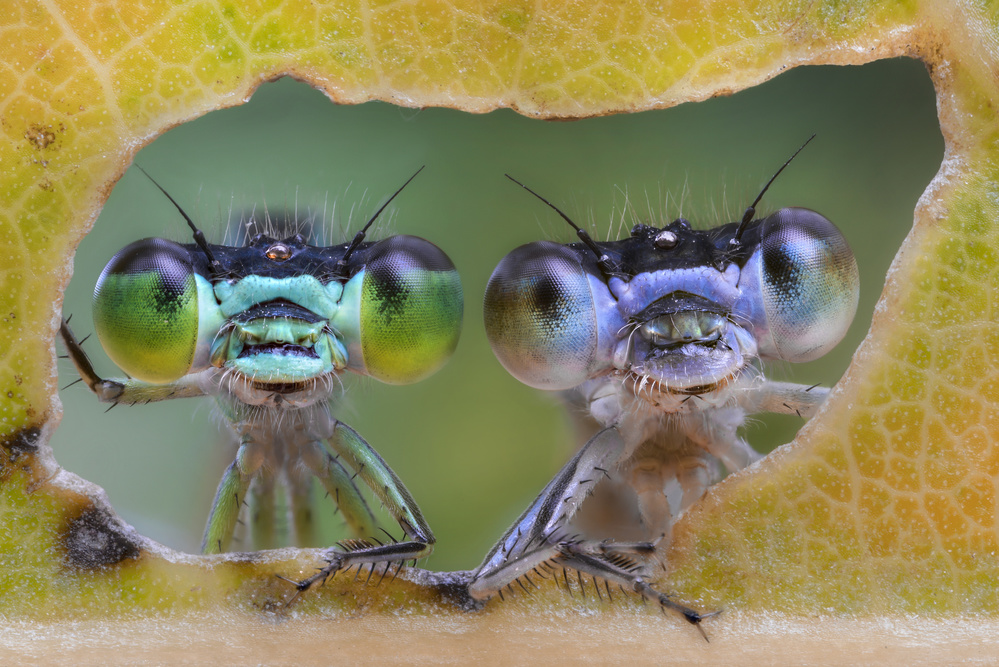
{"x":96,"y":539}
{"x":674,"y":246}
{"x":299,"y":258}
{"x":677,"y":246}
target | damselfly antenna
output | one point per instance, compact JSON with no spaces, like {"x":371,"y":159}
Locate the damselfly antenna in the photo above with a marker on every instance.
{"x":603,"y":260}
{"x":751,"y":211}
{"x":199,"y":236}
{"x":341,"y":265}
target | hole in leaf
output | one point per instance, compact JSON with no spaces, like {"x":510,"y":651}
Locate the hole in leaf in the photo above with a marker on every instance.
{"x":472,"y":444}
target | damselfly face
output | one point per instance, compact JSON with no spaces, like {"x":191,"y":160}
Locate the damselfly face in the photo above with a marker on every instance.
{"x":681,"y":309}
{"x":267,"y":328}
{"x":658,"y":338}
{"x":279,"y":318}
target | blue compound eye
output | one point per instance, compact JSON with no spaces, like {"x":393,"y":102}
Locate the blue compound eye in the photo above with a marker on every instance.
{"x":540,"y":316}
{"x":810,"y":284}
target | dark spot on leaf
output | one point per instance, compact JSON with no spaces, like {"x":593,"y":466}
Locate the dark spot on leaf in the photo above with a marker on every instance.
{"x":452,"y":587}
{"x":246,"y":557}
{"x":20,"y":443}
{"x":96,"y":539}
{"x":40,"y":136}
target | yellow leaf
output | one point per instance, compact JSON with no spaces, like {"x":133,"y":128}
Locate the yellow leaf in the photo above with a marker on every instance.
{"x":885,"y":504}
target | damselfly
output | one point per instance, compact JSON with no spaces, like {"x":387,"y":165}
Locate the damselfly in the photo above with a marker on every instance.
{"x":657,"y":337}
{"x":267,"y":328}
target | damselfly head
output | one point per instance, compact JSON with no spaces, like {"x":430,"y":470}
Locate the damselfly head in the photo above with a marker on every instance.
{"x":277,"y":309}
{"x":683,"y":307}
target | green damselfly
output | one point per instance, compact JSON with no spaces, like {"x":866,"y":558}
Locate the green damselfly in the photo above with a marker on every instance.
{"x":266,"y":328}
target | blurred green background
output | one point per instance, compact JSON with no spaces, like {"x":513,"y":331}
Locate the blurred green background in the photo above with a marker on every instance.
{"x":472,"y":444}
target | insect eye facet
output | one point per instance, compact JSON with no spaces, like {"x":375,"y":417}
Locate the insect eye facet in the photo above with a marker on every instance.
{"x":540,"y":316}
{"x":810,"y":284}
{"x":410,"y":310}
{"x":146,"y":310}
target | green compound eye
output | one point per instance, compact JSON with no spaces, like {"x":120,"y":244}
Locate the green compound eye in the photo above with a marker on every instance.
{"x":146,"y":310}
{"x":408,"y":310}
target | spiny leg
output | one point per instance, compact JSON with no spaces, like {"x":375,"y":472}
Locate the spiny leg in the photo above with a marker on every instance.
{"x":340,"y":487}
{"x":126,"y":391}
{"x":487,"y":582}
{"x":229,"y":497}
{"x":716,"y":430}
{"x":352,"y":449}
{"x":539,"y":535}
{"x":386,"y":485}
{"x":785,"y":398}
{"x":534,"y":537}
{"x":612,"y":548}
{"x":626,"y":574}
{"x":604,"y":560}
{"x":337,"y":482}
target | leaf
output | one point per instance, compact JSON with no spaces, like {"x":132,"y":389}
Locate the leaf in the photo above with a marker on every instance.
{"x":886,"y":502}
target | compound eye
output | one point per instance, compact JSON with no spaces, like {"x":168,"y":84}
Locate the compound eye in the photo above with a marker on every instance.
{"x":540,"y":316}
{"x":410,"y":312}
{"x":146,"y":310}
{"x":810,"y":284}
